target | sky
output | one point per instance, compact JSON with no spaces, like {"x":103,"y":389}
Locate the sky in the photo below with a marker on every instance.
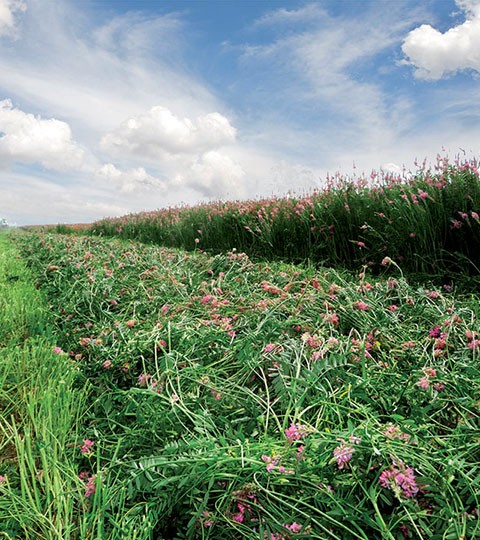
{"x":109,"y":107}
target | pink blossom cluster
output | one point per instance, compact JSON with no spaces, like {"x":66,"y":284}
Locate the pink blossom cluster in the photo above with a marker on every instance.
{"x":296,"y":432}
{"x":343,"y":453}
{"x":90,"y":483}
{"x":145,"y":380}
{"x":400,"y":479}
{"x":424,"y":382}
{"x":394,"y":432}
{"x":361,"y":305}
{"x":87,"y":447}
{"x":294,"y":528}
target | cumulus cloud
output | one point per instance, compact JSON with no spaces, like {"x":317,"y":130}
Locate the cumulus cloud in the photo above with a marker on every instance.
{"x":435,"y":54}
{"x":26,"y":138}
{"x":8,"y":11}
{"x":129,"y":180}
{"x":160,"y":134}
{"x":214,"y":175}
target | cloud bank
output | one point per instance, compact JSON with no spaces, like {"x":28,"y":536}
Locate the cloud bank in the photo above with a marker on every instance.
{"x":9,"y":9}
{"x":26,"y":138}
{"x":160,"y":134}
{"x":436,"y":55}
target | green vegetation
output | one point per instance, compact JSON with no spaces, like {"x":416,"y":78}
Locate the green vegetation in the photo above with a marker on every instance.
{"x":223,"y":392}
{"x":428,"y":222}
{"x":41,"y":495}
{"x":223,"y":398}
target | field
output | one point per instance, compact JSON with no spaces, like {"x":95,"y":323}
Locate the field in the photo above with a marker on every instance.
{"x":148,"y":392}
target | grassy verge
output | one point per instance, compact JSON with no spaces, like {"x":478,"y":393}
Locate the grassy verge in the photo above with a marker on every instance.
{"x":41,"y":407}
{"x":231,"y":399}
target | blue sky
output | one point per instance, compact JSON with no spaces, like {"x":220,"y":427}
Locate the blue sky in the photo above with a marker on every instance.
{"x":115,"y":106}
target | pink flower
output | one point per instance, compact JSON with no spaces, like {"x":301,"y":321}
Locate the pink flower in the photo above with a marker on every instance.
{"x":343,"y":454}
{"x":130,"y":323}
{"x":57,"y":350}
{"x":3,"y":480}
{"x":269,"y":347}
{"x":90,"y":481}
{"x":474,"y":344}
{"x":435,"y":332}
{"x":294,"y":527}
{"x":361,"y":305}
{"x":393,"y":308}
{"x":296,"y":432}
{"x":107,"y":364}
{"x":400,"y":479}
{"x":424,"y":383}
{"x":87,"y":446}
{"x":143,"y":379}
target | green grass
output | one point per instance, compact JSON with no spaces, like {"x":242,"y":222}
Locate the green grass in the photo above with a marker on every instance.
{"x":223,"y":393}
{"x":40,"y":411}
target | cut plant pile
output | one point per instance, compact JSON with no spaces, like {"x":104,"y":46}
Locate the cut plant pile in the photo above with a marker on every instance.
{"x":229,"y":399}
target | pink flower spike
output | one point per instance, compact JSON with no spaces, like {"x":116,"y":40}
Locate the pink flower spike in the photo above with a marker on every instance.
{"x":423,"y":383}
{"x":87,"y":446}
{"x":343,"y":454}
{"x":361,"y":305}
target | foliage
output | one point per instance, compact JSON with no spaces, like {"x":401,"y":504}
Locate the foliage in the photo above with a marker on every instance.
{"x":231,"y":399}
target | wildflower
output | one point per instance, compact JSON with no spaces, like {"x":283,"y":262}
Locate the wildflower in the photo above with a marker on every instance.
{"x":343,"y":454}
{"x":386,"y":260}
{"x":87,"y":446}
{"x":435,"y":332}
{"x":331,"y":318}
{"x":58,"y":350}
{"x":392,"y":308}
{"x":400,"y":479}
{"x":269,"y":347}
{"x":475,"y":216}
{"x":296,"y":432}
{"x":294,"y":527}
{"x":90,"y":482}
{"x":474,"y":344}
{"x":424,"y":383}
{"x":361,"y":305}
{"x":456,"y":224}
{"x":143,"y":379}
{"x":3,"y":480}
{"x":107,"y":364}
{"x":130,"y":323}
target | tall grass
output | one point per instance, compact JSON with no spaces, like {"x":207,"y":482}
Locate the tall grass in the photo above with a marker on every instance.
{"x":430,"y":222}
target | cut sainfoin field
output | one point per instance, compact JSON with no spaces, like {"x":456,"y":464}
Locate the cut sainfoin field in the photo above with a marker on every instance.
{"x":220,"y":397}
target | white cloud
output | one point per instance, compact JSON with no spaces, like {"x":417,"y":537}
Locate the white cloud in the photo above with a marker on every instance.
{"x":159,"y":134}
{"x":436,"y":55}
{"x":129,"y":180}
{"x":26,"y":138}
{"x":214,"y":175}
{"x":8,"y":11}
